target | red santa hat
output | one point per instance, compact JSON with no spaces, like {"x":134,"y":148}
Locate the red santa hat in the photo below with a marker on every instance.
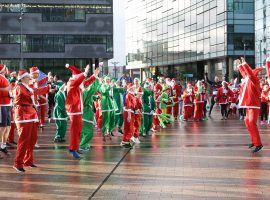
{"x":12,"y":72}
{"x":34,"y":70}
{"x":74,"y":70}
{"x":23,"y":73}
{"x":2,"y":68}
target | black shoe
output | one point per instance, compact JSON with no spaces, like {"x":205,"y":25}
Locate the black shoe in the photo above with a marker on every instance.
{"x":57,"y":140}
{"x":120,"y":131}
{"x":20,"y":170}
{"x":62,"y":140}
{"x":13,"y":142}
{"x":250,"y":146}
{"x":5,"y":151}
{"x":258,"y":148}
{"x":111,"y":133}
{"x":33,"y":166}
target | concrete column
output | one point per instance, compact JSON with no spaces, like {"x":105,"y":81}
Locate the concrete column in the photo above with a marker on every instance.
{"x":105,"y":67}
{"x":230,"y":68}
{"x":211,"y":70}
{"x":141,"y":73}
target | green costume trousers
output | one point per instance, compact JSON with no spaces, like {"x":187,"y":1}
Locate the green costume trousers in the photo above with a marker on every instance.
{"x":61,"y":128}
{"x":119,"y":120}
{"x":108,"y":121}
{"x":87,"y":135}
{"x":147,"y":122}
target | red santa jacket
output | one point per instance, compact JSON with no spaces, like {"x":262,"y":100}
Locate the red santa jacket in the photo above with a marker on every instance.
{"x":24,"y":102}
{"x":188,"y":98}
{"x":264,"y":96}
{"x":234,"y":97}
{"x":42,"y":99}
{"x":250,"y":91}
{"x":157,"y":91}
{"x":176,"y":92}
{"x":130,"y":103}
{"x":74,"y":100}
{"x":223,"y":95}
{"x":5,"y":98}
{"x":199,"y":97}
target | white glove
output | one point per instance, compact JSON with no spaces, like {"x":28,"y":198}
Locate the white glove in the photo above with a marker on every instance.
{"x":129,"y":117}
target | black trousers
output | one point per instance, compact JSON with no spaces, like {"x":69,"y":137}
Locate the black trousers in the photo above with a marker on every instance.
{"x":212,"y":104}
{"x":223,"y":110}
{"x":242,"y":112}
{"x":264,"y":115}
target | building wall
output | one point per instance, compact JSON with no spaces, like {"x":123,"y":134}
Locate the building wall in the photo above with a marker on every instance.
{"x":262,"y":31}
{"x":69,"y":31}
{"x":169,"y":33}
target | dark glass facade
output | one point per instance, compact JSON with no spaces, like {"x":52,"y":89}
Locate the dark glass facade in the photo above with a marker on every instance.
{"x":52,"y":34}
{"x":262,"y":31}
{"x":190,"y":36}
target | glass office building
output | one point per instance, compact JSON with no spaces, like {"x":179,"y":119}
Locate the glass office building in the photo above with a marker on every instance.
{"x":173,"y":37}
{"x":49,"y":34}
{"x":262,"y":31}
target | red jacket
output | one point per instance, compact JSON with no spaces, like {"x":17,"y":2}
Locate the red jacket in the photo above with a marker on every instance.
{"x":74,"y":100}
{"x":176,"y":92}
{"x":24,"y":102}
{"x":264,"y":96}
{"x":223,"y":95}
{"x":157,"y":91}
{"x":188,"y":98}
{"x":250,"y":95}
{"x":5,"y":99}
{"x":199,"y":97}
{"x":130,"y":103}
{"x":234,"y":97}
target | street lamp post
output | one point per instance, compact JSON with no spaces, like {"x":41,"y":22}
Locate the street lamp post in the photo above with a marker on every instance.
{"x":115,"y":63}
{"x":244,"y":49}
{"x":151,"y":61}
{"x":261,"y":63}
{"x":21,"y":42}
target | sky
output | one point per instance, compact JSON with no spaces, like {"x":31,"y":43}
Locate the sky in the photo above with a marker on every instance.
{"x":119,"y":33}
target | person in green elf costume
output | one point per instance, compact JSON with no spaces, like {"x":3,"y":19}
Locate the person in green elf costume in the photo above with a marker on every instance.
{"x":108,"y":106}
{"x":148,"y":109}
{"x":118,"y":99}
{"x":88,"y":114}
{"x":59,"y":113}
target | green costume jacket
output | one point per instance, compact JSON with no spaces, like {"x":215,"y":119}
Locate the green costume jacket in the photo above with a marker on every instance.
{"x":59,"y":112}
{"x":88,"y":99}
{"x":148,"y":101}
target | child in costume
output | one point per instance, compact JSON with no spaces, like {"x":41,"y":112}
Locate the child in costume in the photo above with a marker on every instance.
{"x":188,"y":97}
{"x":59,"y":113}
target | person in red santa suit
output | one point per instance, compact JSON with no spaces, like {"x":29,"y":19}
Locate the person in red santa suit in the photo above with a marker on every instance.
{"x":12,"y":81}
{"x":233,"y":102}
{"x":198,"y":101}
{"x":250,"y":99}
{"x":188,"y":98}
{"x":157,"y":92}
{"x":138,"y":92}
{"x":222,"y":98}
{"x":42,"y":99}
{"x":129,"y":117}
{"x":168,"y":82}
{"x":25,"y":117}
{"x":264,"y":104}
{"x":176,"y":93}
{"x":36,"y":84}
{"x":74,"y":107}
{"x":5,"y":107}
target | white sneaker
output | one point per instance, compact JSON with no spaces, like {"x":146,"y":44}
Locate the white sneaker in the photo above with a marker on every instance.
{"x":137,"y":141}
{"x":37,"y":146}
{"x":133,"y":139}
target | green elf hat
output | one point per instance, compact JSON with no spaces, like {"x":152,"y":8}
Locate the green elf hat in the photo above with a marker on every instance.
{"x":107,"y":77}
{"x":59,"y":84}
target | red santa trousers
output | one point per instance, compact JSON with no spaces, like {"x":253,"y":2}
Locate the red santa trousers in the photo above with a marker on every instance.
{"x":26,"y":134}
{"x":11,"y":133}
{"x":169,"y":110}
{"x":155,"y":118}
{"x":42,"y":114}
{"x":128,"y":127}
{"x":75,"y":131}
{"x":252,"y":115}
{"x":137,"y":125}
{"x":198,"y":111}
{"x":188,"y":112}
{"x":176,"y":109}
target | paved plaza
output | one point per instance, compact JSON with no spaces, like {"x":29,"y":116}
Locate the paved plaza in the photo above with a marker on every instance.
{"x":193,"y":160}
